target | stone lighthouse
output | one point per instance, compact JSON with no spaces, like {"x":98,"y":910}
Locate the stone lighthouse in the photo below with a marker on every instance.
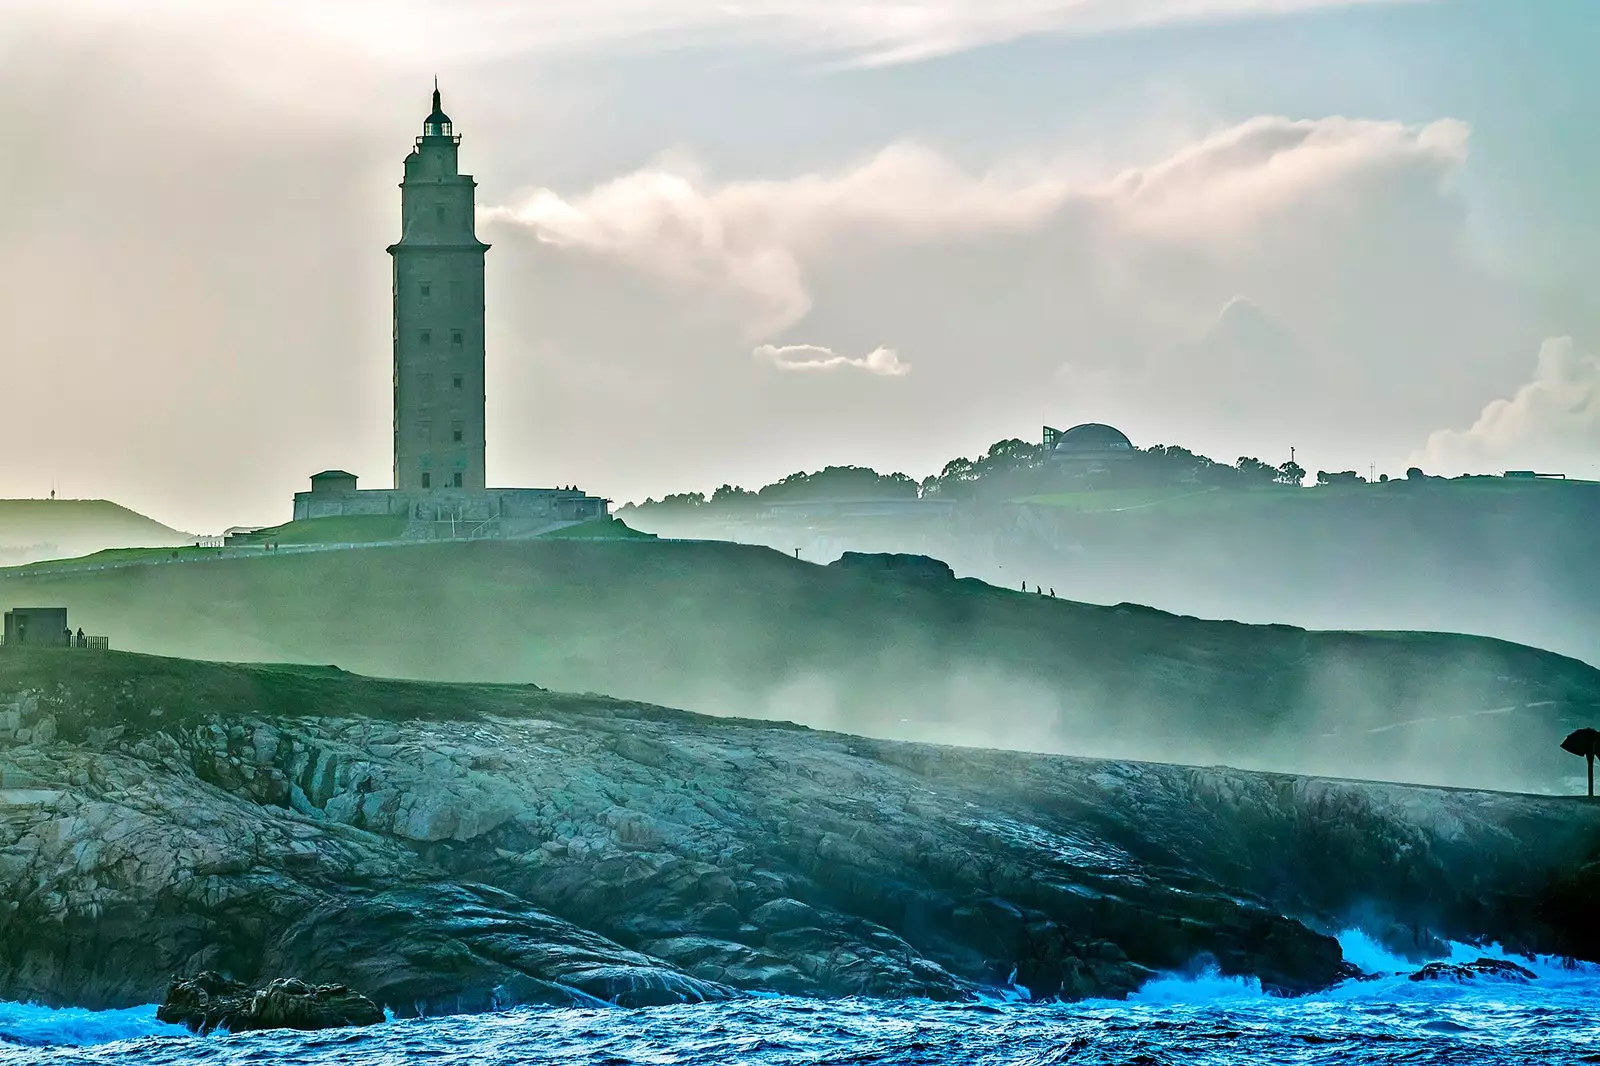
{"x":440,"y":488}
{"x":439,"y":429}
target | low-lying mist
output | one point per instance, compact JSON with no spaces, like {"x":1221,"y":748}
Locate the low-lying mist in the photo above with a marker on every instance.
{"x":1343,"y":725}
{"x":1486,"y":556}
{"x":743,"y":631}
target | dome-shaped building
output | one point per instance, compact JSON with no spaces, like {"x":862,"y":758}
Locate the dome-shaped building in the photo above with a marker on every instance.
{"x":1089,"y":437}
{"x":1090,"y":447}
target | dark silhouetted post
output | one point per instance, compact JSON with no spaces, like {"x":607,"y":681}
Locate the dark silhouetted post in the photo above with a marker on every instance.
{"x":1585,"y":742}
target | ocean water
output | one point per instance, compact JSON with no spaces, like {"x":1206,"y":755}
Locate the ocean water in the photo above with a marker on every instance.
{"x":1551,"y":1021}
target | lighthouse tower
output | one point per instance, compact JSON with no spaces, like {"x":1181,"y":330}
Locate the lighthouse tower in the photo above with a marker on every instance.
{"x":439,"y":428}
{"x":440,"y":490}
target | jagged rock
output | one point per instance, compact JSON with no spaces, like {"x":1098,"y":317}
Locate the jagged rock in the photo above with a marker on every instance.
{"x":1468,"y":971}
{"x":210,"y":1001}
{"x":780,"y":914}
{"x":449,"y":848}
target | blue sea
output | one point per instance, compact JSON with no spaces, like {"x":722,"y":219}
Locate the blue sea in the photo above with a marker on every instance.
{"x":1553,"y":1020}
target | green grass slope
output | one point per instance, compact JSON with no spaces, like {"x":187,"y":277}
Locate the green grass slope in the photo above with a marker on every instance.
{"x":339,"y":529}
{"x":1503,"y":557}
{"x":747,"y":631}
{"x":57,"y":529}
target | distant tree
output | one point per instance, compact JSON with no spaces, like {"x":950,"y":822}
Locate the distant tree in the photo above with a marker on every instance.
{"x":954,"y":479}
{"x":1383,"y":479}
{"x":1343,"y":477}
{"x":1291,"y":473}
{"x":1172,"y":464}
{"x":1414,"y":473}
{"x":731,"y":496}
{"x":840,"y":482}
{"x":1012,"y":450}
{"x":683,"y":500}
{"x":956,"y":470}
{"x":1253,"y":471}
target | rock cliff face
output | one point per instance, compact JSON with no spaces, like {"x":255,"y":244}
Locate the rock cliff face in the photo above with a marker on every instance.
{"x":464,"y":847}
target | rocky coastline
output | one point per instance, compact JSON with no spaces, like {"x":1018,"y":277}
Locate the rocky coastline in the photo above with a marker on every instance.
{"x":210,"y":1001}
{"x":453,"y":847}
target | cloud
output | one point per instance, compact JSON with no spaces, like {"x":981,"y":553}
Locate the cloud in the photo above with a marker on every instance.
{"x":877,"y":32}
{"x":1031,"y":289}
{"x":881,"y":361}
{"x":761,"y":241}
{"x":643,"y":293}
{"x":1553,"y":421}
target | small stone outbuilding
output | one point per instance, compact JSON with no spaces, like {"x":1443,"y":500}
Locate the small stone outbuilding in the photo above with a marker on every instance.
{"x":36,"y":627}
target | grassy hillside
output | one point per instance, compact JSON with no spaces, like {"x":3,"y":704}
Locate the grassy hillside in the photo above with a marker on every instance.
{"x":341,"y":529}
{"x":1500,"y":557}
{"x":747,"y":631}
{"x":1505,"y":558}
{"x":1475,"y":493}
{"x":54,"y":529}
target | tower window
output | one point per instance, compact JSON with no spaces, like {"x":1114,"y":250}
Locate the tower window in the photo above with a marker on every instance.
{"x":455,"y":337}
{"x":455,"y":435}
{"x":426,"y":336}
{"x":455,"y":382}
{"x":427,"y":480}
{"x":455,"y":479}
{"x":426,"y":288}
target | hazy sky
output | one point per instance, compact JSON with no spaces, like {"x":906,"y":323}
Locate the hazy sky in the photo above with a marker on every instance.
{"x":732,"y":240}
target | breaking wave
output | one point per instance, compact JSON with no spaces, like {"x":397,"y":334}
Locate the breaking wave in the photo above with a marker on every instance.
{"x":1205,"y":1018}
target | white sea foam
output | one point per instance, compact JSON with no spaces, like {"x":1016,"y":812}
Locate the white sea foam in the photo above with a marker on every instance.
{"x":1204,"y":1019}
{"x":33,"y":1026}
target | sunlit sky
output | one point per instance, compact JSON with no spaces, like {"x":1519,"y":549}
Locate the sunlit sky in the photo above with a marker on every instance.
{"x":736,"y":240}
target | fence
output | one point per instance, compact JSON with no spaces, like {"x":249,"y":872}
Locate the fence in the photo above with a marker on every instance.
{"x":89,"y":644}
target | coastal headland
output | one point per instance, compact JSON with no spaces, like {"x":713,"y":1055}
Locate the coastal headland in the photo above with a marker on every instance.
{"x":917,"y":655}
{"x":462,"y":847}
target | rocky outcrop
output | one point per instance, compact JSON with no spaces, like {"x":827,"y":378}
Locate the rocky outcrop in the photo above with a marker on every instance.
{"x":897,"y":564}
{"x":210,"y":1001}
{"x":1501,"y":969}
{"x":446,"y":848}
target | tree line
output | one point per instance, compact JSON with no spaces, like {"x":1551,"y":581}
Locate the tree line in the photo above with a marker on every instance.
{"x":1013,"y":468}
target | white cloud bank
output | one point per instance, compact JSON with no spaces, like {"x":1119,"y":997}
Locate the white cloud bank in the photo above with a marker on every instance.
{"x":760,"y":242}
{"x":1552,"y":422}
{"x":1366,"y":319}
{"x":881,"y":361}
